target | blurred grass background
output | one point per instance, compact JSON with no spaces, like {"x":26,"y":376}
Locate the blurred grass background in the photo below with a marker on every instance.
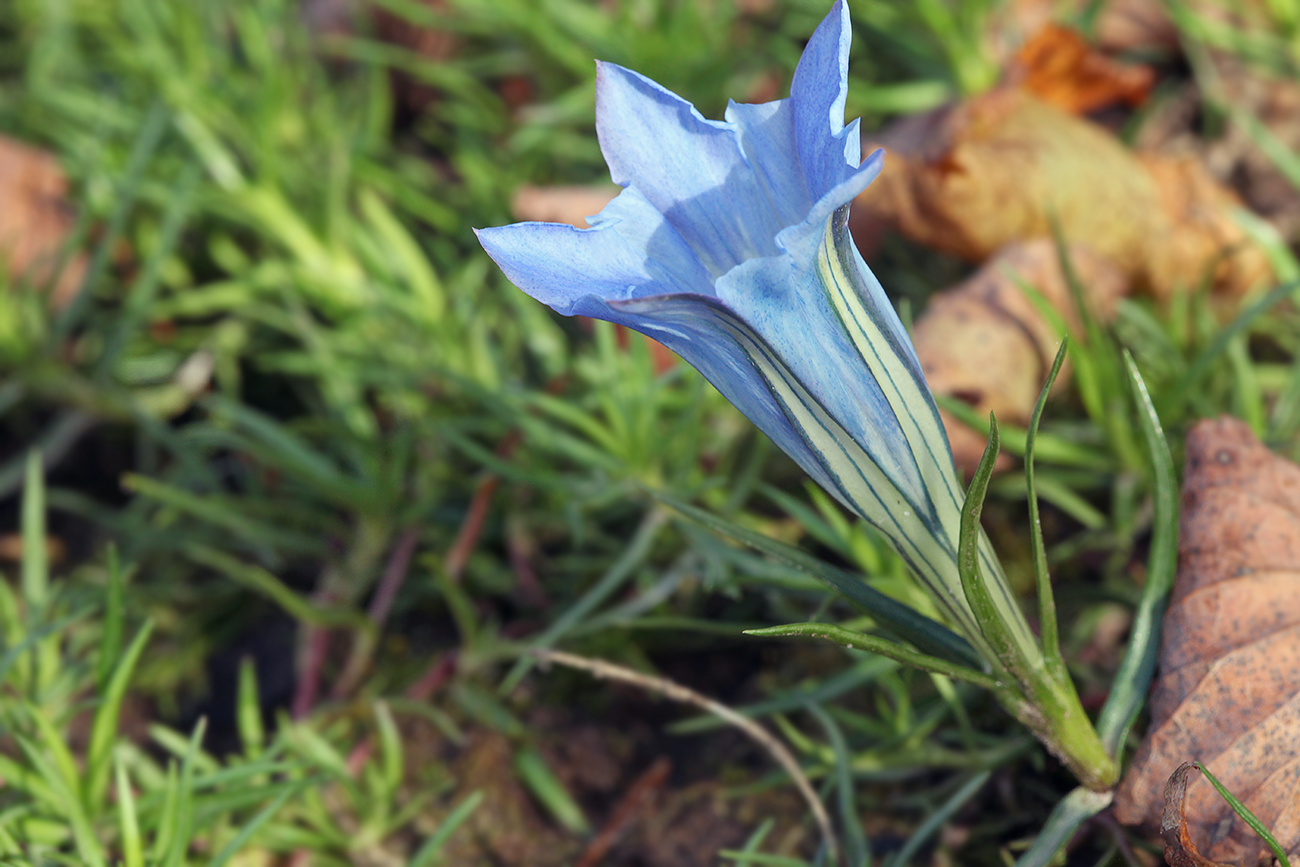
{"x":294,"y":475}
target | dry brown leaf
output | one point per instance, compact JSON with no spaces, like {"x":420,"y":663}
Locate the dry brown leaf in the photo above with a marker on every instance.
{"x":1061,"y":69}
{"x":1228,"y":693}
{"x":35,"y":221}
{"x":985,"y":342}
{"x":1180,"y":849}
{"x":999,"y":168}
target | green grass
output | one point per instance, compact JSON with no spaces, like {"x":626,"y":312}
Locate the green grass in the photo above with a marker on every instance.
{"x":290,"y":363}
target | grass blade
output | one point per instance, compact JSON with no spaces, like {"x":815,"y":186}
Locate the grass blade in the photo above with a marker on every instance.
{"x":103,"y":732}
{"x":431,"y":850}
{"x":1050,"y":639}
{"x":1134,"y":676}
{"x":1246,"y":816}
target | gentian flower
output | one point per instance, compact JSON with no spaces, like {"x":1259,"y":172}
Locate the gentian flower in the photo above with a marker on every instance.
{"x":729,"y":244}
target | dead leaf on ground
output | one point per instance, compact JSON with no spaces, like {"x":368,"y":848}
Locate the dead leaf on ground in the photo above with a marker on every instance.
{"x":1228,"y":693}
{"x":985,"y":342}
{"x":36,"y":220}
{"x":1059,"y":67}
{"x":1233,"y":156}
{"x":1180,"y":849}
{"x":1002,"y":167}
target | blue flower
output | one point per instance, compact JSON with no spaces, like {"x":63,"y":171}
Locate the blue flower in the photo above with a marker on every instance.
{"x":729,"y":244}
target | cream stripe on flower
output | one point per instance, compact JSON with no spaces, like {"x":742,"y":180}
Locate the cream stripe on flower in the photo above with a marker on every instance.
{"x":912,"y":406}
{"x":860,"y":482}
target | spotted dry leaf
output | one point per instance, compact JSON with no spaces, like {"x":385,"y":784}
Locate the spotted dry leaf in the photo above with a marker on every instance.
{"x":1228,"y":692}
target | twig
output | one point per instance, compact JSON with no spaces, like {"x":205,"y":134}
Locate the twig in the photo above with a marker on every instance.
{"x":314,"y":644}
{"x":675,"y":691}
{"x":438,"y":673}
{"x":363,"y":644}
{"x":625,"y":813}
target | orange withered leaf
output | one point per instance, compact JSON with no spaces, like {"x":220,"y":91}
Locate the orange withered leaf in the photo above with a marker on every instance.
{"x":1061,"y":69}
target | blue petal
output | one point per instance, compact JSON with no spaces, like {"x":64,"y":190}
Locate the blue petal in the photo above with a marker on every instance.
{"x":708,"y":335}
{"x":782,"y":299}
{"x":629,"y":252}
{"x":828,"y":152}
{"x":693,"y":170}
{"x":766,"y":132}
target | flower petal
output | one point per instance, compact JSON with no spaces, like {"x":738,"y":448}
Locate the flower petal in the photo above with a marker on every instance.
{"x":828,"y":152}
{"x":629,"y":252}
{"x":693,"y":170}
{"x":784,"y":300}
{"x":766,"y":132}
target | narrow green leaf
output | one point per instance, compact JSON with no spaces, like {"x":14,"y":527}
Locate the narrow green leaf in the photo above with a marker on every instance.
{"x":258,"y":579}
{"x":874,"y":644}
{"x":428,"y":854}
{"x":1059,"y":451}
{"x":1201,"y":364}
{"x":1129,"y":689}
{"x":66,"y":803}
{"x":56,"y":747}
{"x":149,"y":135}
{"x":252,"y":826}
{"x":934,"y":821}
{"x":615,"y":577}
{"x":987,"y":613}
{"x":35,"y":565}
{"x":755,"y":840}
{"x":110,"y":642}
{"x":856,"y":846}
{"x":1246,"y":816}
{"x":390,"y":743}
{"x":36,"y":637}
{"x":183,"y":818}
{"x":129,"y":826}
{"x":248,"y":711}
{"x":537,"y":776}
{"x":1050,"y":639}
{"x":761,"y":859}
{"x":168,"y":817}
{"x":103,"y":731}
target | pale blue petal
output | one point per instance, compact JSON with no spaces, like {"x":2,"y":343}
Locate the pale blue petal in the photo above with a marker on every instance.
{"x":766,"y":133}
{"x":828,"y":152}
{"x":802,"y":240}
{"x":783,"y":300}
{"x":629,"y":252}
{"x":721,"y":346}
{"x":693,"y":170}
